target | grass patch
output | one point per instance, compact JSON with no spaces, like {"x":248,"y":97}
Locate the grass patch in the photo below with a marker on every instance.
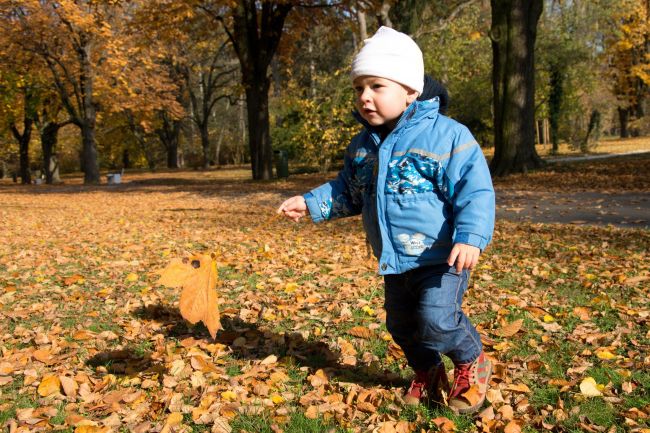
{"x":598,"y":411}
{"x":297,"y":423}
{"x":540,"y":397}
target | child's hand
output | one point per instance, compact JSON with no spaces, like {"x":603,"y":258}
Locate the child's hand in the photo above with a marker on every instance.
{"x":294,"y":208}
{"x":465,"y":256}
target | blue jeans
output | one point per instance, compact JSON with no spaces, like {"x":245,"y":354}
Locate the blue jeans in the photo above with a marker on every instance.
{"x":424,"y":316}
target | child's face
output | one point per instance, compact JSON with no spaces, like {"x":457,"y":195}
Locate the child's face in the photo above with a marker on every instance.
{"x":381,"y":101}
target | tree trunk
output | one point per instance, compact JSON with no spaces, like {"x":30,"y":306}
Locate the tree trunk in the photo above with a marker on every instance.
{"x":259,"y":138}
{"x":205,"y":142}
{"x":23,"y":145}
{"x":88,"y":123}
{"x":255,"y":42}
{"x":624,"y":117}
{"x":169,"y":135}
{"x":49,"y":137}
{"x":513,"y":33}
{"x":555,"y":103}
{"x":361,"y":19}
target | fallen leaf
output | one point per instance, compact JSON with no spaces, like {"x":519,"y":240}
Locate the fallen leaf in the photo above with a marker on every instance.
{"x":73,"y":279}
{"x":589,"y":387}
{"x":512,"y":427}
{"x":510,"y":329}
{"x":91,"y":429}
{"x":69,"y":386}
{"x":361,"y":332}
{"x":311,"y":412}
{"x":49,"y":385}
{"x":319,"y":378}
{"x":444,"y":424}
{"x":635,"y":280}
{"x":229,"y":395}
{"x":583,"y":313}
{"x":520,"y":387}
{"x":174,"y":419}
{"x":271,"y":359}
{"x":473,"y":395}
{"x":42,"y":355}
{"x":605,"y":354}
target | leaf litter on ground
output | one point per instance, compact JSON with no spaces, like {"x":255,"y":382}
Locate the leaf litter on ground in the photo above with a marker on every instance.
{"x":91,"y":341}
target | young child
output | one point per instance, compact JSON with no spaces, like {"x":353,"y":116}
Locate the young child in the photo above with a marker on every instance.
{"x":423,"y":187}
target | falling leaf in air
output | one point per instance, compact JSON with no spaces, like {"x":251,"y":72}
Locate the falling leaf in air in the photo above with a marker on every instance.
{"x":197,"y":275}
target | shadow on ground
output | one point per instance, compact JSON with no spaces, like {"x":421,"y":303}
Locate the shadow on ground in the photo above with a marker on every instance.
{"x":259,"y":344}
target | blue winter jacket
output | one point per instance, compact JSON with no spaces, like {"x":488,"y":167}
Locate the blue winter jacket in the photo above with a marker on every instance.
{"x":423,"y":188}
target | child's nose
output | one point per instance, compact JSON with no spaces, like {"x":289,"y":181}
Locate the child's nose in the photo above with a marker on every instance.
{"x":365,"y":95}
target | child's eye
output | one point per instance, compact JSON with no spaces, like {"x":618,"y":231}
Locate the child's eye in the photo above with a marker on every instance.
{"x":377,"y":86}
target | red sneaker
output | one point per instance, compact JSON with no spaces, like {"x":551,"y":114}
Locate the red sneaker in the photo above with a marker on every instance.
{"x":427,"y":385}
{"x":467,"y":376}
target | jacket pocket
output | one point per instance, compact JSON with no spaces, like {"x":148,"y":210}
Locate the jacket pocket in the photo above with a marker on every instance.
{"x":418,"y":226}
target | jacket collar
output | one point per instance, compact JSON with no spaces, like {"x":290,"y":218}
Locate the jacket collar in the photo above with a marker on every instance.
{"x":412,"y":115}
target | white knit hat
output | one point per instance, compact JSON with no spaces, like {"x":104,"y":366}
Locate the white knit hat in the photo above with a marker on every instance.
{"x":393,"y":55}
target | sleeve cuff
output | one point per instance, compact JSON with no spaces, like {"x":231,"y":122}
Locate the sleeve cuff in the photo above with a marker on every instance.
{"x":314,"y":209}
{"x":471,"y":239}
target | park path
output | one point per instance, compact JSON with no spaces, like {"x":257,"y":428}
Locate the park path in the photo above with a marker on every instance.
{"x":620,"y":209}
{"x":625,"y":209}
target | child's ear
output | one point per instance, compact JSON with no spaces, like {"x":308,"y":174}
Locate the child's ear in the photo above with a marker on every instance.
{"x":411,"y":95}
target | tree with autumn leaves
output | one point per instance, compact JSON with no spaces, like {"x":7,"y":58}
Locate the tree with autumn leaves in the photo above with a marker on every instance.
{"x":91,"y":60}
{"x":629,"y":61}
{"x":156,"y":71}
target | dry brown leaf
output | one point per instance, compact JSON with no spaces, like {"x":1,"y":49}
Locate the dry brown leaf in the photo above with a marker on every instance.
{"x":197,"y":275}
{"x":174,"y":419}
{"x":367,"y":407}
{"x":635,"y":280}
{"x":395,"y":427}
{"x":583,"y":313}
{"x":319,"y":378}
{"x":69,"y":386}
{"x":520,"y":387}
{"x":91,"y":429}
{"x":271,"y":359}
{"x":43,"y":355}
{"x":444,"y":424}
{"x":49,"y":385}
{"x":6,"y":368}
{"x":510,"y":329}
{"x":487,"y":414}
{"x":311,"y":412}
{"x":361,"y":332}
{"x":507,"y":412}
{"x":73,"y":279}
{"x":512,"y":427}
{"x":473,"y":394}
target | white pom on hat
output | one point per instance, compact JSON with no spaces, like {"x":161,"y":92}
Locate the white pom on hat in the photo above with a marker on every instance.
{"x":393,"y":55}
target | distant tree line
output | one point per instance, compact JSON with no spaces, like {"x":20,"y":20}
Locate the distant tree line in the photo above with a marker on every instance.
{"x":118,"y":84}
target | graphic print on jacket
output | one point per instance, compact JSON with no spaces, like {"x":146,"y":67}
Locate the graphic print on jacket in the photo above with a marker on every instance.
{"x":415,"y":182}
